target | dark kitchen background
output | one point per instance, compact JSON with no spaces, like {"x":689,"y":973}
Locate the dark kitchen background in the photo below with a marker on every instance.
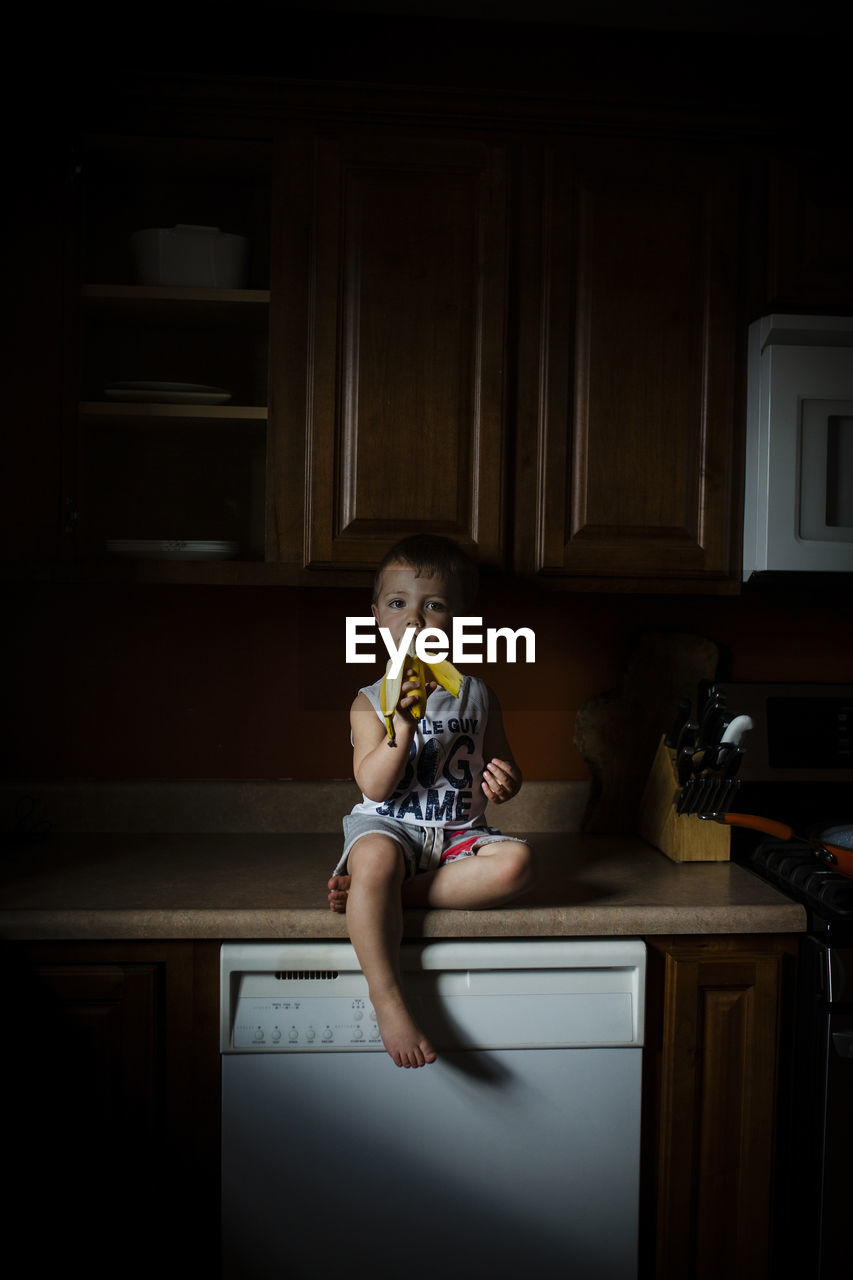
{"x":112,"y":674}
{"x":164,"y":681}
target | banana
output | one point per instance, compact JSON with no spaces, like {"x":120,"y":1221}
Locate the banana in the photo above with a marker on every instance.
{"x":443,"y":673}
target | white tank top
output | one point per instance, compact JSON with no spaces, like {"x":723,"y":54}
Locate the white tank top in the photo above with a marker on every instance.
{"x":441,"y":785}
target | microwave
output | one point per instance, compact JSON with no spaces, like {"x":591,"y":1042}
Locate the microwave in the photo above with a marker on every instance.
{"x":798,"y":493}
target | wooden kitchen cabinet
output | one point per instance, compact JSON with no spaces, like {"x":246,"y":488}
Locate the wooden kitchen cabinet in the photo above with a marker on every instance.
{"x":111,"y":1053}
{"x":366,"y":363}
{"x":628,"y":335}
{"x":810,"y":241}
{"x":405,"y":350}
{"x":515,"y":320}
{"x":716,"y":1075}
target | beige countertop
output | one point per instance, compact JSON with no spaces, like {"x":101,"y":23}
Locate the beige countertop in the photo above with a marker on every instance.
{"x":108,"y":885}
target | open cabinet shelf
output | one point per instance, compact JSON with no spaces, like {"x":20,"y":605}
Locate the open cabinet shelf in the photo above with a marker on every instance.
{"x":152,"y":466}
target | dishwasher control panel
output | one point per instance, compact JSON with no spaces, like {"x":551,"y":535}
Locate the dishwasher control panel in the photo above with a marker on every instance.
{"x":312,"y":998}
{"x":304,"y":1022}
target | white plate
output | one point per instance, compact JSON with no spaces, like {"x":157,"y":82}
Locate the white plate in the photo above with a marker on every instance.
{"x":166,"y":393}
{"x":172,"y":549}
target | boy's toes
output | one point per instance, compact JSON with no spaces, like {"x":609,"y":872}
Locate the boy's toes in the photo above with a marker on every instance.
{"x":338,"y":890}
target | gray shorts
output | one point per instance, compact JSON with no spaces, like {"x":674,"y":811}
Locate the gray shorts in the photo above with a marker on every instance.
{"x":424,"y":848}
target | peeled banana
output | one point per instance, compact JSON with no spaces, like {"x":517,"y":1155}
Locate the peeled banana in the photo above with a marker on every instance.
{"x":390,"y":691}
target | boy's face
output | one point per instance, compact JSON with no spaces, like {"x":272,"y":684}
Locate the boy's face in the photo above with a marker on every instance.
{"x":405,"y":600}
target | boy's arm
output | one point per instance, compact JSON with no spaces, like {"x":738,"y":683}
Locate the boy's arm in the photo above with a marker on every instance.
{"x":501,"y":775}
{"x":377,"y":766}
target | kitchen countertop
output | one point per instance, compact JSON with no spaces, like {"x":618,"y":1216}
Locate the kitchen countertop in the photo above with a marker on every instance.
{"x":102,"y":886}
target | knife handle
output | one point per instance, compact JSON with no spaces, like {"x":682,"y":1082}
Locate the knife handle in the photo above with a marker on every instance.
{"x":736,"y":728}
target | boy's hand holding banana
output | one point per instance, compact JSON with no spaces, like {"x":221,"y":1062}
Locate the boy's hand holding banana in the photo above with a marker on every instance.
{"x":416,"y":679}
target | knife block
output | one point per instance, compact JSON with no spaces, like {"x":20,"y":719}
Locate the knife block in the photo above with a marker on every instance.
{"x":685,"y":837}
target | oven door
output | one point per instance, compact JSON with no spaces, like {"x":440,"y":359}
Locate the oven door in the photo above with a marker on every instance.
{"x":821,"y":1184}
{"x":835,"y":1256}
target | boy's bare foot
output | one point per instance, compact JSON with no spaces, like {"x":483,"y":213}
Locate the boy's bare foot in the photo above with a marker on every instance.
{"x":338,"y":890}
{"x":405,"y":1042}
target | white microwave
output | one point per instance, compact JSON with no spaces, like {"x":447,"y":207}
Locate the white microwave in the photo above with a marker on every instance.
{"x":798,"y":496}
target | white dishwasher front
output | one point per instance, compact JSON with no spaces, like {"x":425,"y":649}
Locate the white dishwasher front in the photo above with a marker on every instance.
{"x":517,"y":1150}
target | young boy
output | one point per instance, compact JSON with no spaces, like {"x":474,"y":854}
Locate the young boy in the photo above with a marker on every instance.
{"x":412,"y":839}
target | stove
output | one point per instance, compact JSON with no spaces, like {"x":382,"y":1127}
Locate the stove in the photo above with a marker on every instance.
{"x":798,"y":769}
{"x":795,"y":868}
{"x":816,"y":1119}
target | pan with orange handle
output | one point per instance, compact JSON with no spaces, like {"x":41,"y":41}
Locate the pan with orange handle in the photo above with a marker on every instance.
{"x":833,"y":846}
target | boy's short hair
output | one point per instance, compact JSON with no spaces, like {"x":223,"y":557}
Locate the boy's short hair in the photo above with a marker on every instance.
{"x":431,"y":554}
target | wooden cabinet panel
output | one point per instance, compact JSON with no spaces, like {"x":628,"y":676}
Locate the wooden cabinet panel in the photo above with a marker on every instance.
{"x":107,"y":1016}
{"x":717,"y":1019}
{"x":811,"y":230}
{"x":111,"y":1057}
{"x":405,"y":415}
{"x":626,"y":403}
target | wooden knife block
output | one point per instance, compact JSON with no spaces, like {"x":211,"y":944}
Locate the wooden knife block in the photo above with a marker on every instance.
{"x":684,"y":838}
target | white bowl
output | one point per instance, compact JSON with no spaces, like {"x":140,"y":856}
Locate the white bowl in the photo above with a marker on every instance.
{"x":187,"y":256}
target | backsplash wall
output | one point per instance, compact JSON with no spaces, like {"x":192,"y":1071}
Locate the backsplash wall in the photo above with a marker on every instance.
{"x":160,"y":681}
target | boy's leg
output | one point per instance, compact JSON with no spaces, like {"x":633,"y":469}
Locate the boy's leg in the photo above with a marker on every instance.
{"x":499,"y":872}
{"x":375,"y":924}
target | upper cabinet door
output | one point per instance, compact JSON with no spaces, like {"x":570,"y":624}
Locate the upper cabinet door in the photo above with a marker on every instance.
{"x":810,"y":234}
{"x":406,"y":350}
{"x":628,"y":337}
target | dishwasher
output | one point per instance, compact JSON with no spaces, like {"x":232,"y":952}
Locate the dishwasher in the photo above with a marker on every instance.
{"x":516,"y":1151}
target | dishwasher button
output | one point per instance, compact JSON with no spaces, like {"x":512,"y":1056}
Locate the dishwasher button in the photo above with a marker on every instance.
{"x":310,"y":1035}
{"x":276,"y":1036}
{"x":358,"y":1034}
{"x":293,"y":1035}
{"x":259,"y":1035}
{"x":327,"y":1035}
